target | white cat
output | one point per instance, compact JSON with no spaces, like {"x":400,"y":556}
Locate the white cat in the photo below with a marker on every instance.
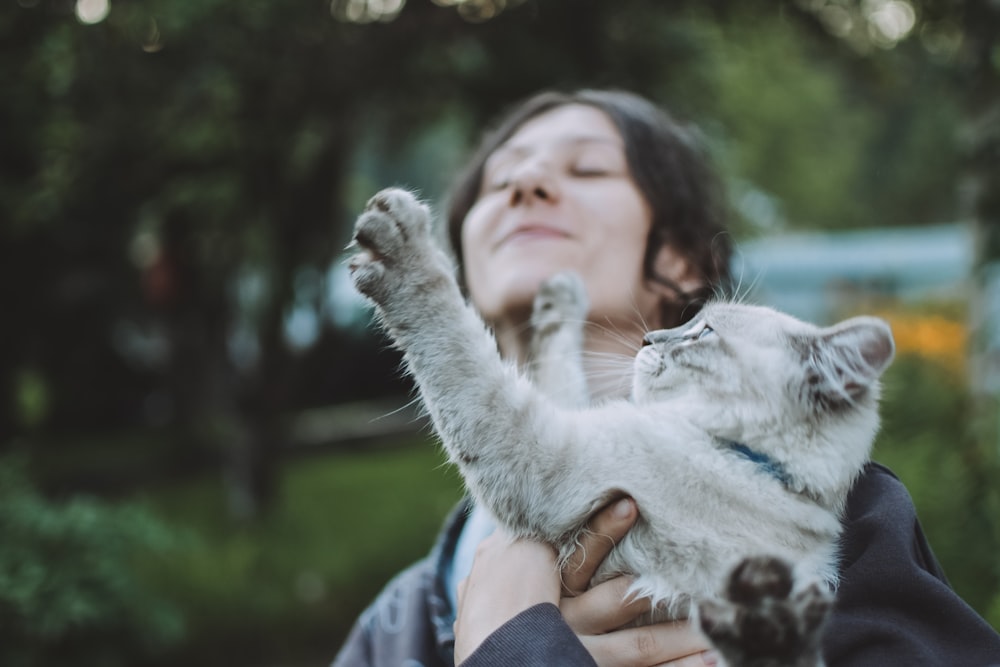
{"x":745,"y":430}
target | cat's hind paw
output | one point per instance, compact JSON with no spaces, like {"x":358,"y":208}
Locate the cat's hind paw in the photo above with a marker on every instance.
{"x":389,"y":234}
{"x":762,"y":622}
{"x":562,"y":299}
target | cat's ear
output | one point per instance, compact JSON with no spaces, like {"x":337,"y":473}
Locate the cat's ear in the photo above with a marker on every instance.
{"x":847,"y":359}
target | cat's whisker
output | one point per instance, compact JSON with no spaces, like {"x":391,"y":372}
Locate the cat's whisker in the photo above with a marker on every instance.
{"x":523,"y":328}
{"x":739,"y":292}
{"x":606,"y":366}
{"x":640,"y":318}
{"x":639,"y":322}
{"x":416,"y":401}
{"x":612,"y":371}
{"x":614,"y":333}
{"x":608,"y":360}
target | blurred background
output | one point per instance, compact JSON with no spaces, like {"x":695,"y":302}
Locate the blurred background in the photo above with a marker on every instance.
{"x":205,"y":454}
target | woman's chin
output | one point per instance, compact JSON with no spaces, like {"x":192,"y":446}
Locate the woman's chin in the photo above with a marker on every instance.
{"x":511,"y":296}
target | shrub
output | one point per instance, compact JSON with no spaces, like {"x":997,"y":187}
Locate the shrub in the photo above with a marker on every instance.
{"x":67,"y":590}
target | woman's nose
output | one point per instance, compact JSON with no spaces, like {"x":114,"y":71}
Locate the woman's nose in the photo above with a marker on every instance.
{"x":533,"y":182}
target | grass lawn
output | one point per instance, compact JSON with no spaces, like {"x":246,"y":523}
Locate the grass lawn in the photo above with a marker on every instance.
{"x":284,"y":590}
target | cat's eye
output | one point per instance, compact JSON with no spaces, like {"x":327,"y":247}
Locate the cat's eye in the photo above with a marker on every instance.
{"x":700,"y":333}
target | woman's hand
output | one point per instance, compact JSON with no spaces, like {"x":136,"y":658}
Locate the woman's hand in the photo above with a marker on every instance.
{"x":509,"y":577}
{"x":597,"y":615}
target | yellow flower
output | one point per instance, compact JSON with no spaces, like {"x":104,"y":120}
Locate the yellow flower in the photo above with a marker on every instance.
{"x":933,"y":337}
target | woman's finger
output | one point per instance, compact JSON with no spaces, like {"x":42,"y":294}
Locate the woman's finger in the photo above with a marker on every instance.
{"x":663,"y":643}
{"x":605,"y":529}
{"x":603,"y":608}
{"x":700,"y":659}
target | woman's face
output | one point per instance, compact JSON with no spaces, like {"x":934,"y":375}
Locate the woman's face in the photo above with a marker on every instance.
{"x":558,"y":195}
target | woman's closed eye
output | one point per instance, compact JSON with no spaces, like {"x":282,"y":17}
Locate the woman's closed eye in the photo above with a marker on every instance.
{"x":589,"y":171}
{"x":499,"y":183}
{"x":597,"y":161}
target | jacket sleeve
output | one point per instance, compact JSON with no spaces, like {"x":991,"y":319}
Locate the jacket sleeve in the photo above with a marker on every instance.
{"x":399,"y":628}
{"x":894,"y":605}
{"x":537,"y":637}
{"x":356,"y":650}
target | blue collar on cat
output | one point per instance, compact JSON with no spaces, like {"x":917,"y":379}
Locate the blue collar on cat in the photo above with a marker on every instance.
{"x":764,"y":463}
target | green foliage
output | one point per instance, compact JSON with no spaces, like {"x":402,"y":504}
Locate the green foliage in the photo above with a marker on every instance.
{"x":832,"y":146}
{"x":784,"y":119}
{"x":237,"y":139}
{"x":288,"y":586}
{"x":68,"y":591}
{"x":929,"y":440}
{"x":218,"y":151}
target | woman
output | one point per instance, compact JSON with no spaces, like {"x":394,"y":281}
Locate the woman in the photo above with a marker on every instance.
{"x":606,"y":184}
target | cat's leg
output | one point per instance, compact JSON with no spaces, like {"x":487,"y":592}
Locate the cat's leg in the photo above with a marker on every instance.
{"x":499,"y":430}
{"x":557,"y":321}
{"x":762,"y":623}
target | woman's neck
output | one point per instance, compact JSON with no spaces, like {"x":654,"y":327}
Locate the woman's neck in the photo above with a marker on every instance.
{"x":608,"y":351}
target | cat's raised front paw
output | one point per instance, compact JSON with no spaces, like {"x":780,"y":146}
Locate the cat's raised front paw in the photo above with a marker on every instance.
{"x":560,"y":300}
{"x":390,"y":235}
{"x":762,"y":622}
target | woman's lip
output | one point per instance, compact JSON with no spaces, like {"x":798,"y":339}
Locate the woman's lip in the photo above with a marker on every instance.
{"x":533,"y":232}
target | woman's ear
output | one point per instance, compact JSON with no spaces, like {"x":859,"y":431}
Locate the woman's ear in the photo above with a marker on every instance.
{"x":672,"y":265}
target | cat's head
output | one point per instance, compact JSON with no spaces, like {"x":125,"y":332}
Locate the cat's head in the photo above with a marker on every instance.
{"x":752,"y":373}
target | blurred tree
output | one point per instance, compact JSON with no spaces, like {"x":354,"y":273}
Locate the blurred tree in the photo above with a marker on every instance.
{"x":961,"y":40}
{"x":177,"y":177}
{"x":981,"y":70}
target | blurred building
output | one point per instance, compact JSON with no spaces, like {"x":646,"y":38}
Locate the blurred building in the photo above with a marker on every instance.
{"x":820,"y":276}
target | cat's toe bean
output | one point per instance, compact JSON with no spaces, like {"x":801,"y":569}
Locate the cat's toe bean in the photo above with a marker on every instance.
{"x":715,"y":617}
{"x":760,"y":577}
{"x":408,"y":215}
{"x":376,"y":239}
{"x":814,"y":605}
{"x":367,"y":273}
{"x":377,"y":232}
{"x":562,"y":297}
{"x":379,"y":202}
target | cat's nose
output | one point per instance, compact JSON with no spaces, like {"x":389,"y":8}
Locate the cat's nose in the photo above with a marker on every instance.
{"x":658,"y":336}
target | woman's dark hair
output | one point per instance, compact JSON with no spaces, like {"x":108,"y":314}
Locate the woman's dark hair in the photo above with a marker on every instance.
{"x":668,"y":165}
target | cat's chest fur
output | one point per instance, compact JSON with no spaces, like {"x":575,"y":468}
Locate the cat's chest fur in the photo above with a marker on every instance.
{"x":704,"y":504}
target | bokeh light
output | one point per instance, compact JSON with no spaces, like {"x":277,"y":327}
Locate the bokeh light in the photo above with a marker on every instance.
{"x":889,"y":21}
{"x":90,"y":12}
{"x":865,"y":24}
{"x":477,"y":11}
{"x":366,"y":11}
{"x":153,"y":41}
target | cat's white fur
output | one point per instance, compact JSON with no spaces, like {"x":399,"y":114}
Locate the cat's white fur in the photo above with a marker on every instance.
{"x":804,"y":396}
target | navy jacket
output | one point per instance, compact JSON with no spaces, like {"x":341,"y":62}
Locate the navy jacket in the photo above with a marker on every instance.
{"x":894,"y":605}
